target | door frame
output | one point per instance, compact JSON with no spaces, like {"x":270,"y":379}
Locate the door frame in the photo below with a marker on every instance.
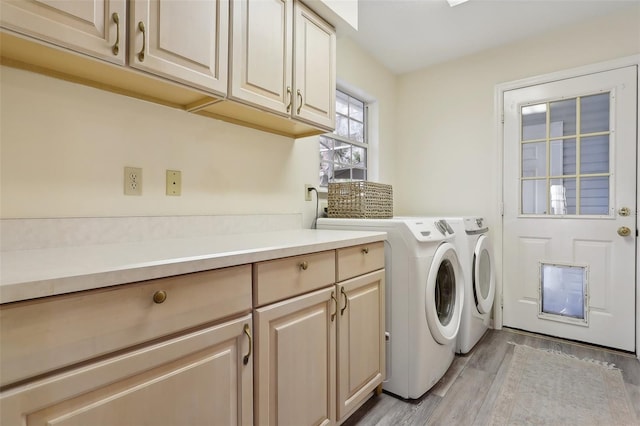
{"x":499,"y":131}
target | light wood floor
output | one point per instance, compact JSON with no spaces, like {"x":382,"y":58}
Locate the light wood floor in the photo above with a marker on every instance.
{"x":468,"y":390}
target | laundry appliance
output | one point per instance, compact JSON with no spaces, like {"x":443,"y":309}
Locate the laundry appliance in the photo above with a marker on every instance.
{"x":424,"y":297}
{"x":476,"y":258}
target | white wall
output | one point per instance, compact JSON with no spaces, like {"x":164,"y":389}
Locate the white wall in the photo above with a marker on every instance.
{"x":63,"y":148}
{"x":447,"y":158}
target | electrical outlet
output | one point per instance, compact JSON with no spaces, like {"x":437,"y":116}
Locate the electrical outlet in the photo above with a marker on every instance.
{"x":307,"y":191}
{"x":132,"y":181}
{"x":174,"y":182}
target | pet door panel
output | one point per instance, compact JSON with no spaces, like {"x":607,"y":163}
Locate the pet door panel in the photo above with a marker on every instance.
{"x":563,"y":290}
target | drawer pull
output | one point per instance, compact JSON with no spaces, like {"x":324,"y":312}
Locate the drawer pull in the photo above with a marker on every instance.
{"x":159,"y":296}
{"x":365,"y":250}
{"x":245,"y":360}
{"x":346,"y":301}
{"x":304,"y":265}
{"x":333,"y":315}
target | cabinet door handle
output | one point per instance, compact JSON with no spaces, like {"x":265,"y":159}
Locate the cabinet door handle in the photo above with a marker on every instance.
{"x":116,"y":47}
{"x":299,"y":104}
{"x":365,"y":250}
{"x":346,"y":301}
{"x":304,"y":265}
{"x":335,"y":301}
{"x":159,"y":296}
{"x":144,"y":42}
{"x":290,"y":93}
{"x":245,"y":360}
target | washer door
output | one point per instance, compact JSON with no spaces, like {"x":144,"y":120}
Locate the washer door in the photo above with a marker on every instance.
{"x":484,"y":281}
{"x":444,"y":295}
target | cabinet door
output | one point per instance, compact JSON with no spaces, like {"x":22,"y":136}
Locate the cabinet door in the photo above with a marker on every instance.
{"x":295,"y":355}
{"x":196,"y":379}
{"x":315,"y":69}
{"x":185,"y":41}
{"x":261,"y":52}
{"x":361,"y":351}
{"x":93,"y":27}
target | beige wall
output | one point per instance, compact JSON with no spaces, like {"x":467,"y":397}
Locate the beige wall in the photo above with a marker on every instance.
{"x":447,"y":162}
{"x":63,"y":148}
{"x":359,"y":69}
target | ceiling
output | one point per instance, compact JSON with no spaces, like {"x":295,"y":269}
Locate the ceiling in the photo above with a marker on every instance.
{"x":406,"y":35}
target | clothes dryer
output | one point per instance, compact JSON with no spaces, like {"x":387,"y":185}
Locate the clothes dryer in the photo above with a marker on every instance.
{"x":476,"y":258}
{"x":424,"y":298}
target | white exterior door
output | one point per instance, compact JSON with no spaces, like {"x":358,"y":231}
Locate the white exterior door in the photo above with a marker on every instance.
{"x":569,"y":208}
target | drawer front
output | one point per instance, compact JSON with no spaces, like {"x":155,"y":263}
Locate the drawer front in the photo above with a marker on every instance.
{"x":358,"y":260}
{"x":41,"y":335}
{"x":283,"y":278}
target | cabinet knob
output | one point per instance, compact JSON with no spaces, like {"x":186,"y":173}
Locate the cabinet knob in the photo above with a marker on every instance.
{"x":365,"y":250}
{"x":304,"y":265}
{"x":159,"y":296}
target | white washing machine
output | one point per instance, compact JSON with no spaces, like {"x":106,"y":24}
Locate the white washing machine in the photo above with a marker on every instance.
{"x":424,"y":297}
{"x":476,"y":258}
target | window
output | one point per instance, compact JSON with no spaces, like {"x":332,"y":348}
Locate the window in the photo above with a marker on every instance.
{"x":343,"y":153}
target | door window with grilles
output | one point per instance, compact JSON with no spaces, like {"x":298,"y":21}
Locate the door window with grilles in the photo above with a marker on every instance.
{"x":565,"y":148}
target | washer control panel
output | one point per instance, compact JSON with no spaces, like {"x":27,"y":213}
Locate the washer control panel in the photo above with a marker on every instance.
{"x":475,"y":225}
{"x":429,"y":229}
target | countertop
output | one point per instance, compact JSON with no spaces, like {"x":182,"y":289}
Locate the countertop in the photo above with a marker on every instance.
{"x":29,"y":274}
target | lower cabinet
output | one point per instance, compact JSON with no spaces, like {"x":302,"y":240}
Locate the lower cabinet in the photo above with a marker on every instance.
{"x":296,"y":360}
{"x":361,"y":346}
{"x":195,"y":379}
{"x":320,"y":355}
{"x":180,"y":350}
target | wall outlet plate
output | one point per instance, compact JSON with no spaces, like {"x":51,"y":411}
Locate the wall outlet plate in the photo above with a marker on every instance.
{"x":132,"y":181}
{"x":174,"y":182}
{"x":307,"y":191}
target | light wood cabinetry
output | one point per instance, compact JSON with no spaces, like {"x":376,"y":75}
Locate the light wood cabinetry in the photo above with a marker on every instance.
{"x":295,"y":356}
{"x":283,"y":278}
{"x":278,"y":76}
{"x":96,"y":28}
{"x":361,"y":355}
{"x":195,"y":379}
{"x":283,"y":60}
{"x":314,"y":80}
{"x":319,"y":353}
{"x":183,"y":41}
{"x":180,"y":350}
{"x":139,"y":354}
{"x":262,"y":53}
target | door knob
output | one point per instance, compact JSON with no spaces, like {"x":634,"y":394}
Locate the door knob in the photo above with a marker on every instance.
{"x":624,"y":211}
{"x":624,"y":231}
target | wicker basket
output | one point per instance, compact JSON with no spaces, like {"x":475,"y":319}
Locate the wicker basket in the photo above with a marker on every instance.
{"x":360,"y":199}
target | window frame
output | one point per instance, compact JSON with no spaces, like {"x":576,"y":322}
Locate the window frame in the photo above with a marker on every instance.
{"x":365,"y":145}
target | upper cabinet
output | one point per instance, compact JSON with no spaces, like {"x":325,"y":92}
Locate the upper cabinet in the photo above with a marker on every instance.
{"x":266,"y":64}
{"x":186,"y":41}
{"x":283,"y":60}
{"x":314,"y":78}
{"x":95,"y":28}
{"x":262,"y":53}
